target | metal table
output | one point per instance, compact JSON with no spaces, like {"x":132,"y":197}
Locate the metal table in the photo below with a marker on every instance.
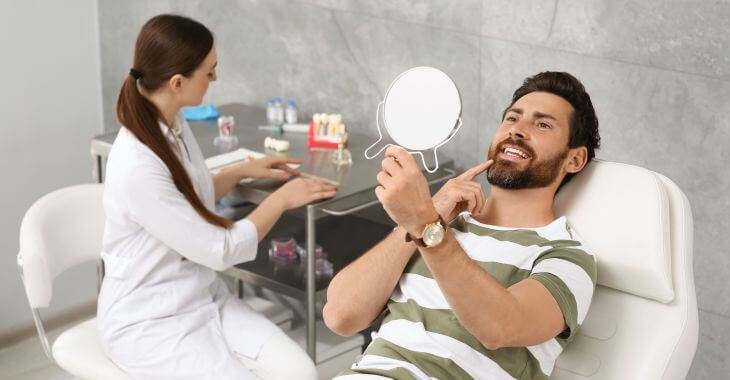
{"x":354,"y":194}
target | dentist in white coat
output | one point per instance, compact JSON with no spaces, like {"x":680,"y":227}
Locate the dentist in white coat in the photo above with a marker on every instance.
{"x":163,"y":311}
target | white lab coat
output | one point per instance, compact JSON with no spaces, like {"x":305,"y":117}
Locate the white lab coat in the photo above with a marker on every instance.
{"x":163,"y":312}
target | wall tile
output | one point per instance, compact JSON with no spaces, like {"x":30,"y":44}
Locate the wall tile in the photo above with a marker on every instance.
{"x":458,"y":15}
{"x":521,"y":20}
{"x":119,"y":24}
{"x":710,"y":361}
{"x":687,"y":36}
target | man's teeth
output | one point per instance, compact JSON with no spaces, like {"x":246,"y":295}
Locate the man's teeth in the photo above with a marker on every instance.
{"x":516,"y":152}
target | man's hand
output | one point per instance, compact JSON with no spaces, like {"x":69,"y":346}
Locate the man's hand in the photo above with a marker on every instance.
{"x":461,"y":194}
{"x":404,"y":191}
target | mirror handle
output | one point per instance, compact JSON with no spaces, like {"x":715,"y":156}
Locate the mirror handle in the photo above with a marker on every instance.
{"x":380,"y":135}
{"x":435,"y":153}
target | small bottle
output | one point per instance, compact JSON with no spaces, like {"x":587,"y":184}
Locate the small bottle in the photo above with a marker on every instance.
{"x":277,"y":112}
{"x":270,"y":111}
{"x":291,"y":112}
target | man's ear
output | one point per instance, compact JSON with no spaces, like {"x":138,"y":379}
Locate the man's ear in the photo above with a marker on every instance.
{"x":175,"y":83}
{"x":577,"y":159}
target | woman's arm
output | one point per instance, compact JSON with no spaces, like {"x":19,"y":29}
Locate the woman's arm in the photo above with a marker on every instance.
{"x":292,"y":194}
{"x":159,"y":207}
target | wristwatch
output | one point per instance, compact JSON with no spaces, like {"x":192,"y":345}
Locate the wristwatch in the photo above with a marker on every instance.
{"x":433,"y":234}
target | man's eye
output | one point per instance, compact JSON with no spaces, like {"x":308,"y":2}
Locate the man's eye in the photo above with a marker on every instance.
{"x":543,"y":125}
{"x":511,"y":118}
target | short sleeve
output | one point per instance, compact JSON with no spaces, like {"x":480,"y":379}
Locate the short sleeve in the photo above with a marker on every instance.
{"x":569,"y":274}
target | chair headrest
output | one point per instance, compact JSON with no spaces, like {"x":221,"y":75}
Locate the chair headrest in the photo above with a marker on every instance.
{"x":622,"y":213}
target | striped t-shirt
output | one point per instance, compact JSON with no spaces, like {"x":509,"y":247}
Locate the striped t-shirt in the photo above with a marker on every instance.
{"x":421,"y":338}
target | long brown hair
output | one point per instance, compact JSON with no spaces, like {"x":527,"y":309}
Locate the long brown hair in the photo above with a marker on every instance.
{"x":166,"y":45}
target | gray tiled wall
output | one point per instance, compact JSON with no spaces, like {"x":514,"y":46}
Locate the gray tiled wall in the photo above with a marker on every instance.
{"x":658,"y":72}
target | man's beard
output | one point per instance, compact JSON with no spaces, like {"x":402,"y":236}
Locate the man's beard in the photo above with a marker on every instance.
{"x":538,"y":173}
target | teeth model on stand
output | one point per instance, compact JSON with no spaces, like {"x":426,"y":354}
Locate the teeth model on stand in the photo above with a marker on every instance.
{"x":326,"y":131}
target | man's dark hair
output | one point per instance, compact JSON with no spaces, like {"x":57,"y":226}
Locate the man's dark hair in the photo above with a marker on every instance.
{"x":583,"y":123}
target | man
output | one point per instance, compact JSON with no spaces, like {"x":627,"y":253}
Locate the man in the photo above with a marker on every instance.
{"x":499,"y":293}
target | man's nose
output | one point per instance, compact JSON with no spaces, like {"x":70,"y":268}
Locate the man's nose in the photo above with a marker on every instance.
{"x":517,"y":131}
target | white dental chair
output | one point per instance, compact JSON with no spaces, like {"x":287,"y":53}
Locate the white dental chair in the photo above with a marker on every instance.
{"x":643,"y":321}
{"x":59,"y":231}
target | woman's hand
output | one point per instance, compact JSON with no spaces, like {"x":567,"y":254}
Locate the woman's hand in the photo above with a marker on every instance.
{"x":266,"y":167}
{"x":302,"y":191}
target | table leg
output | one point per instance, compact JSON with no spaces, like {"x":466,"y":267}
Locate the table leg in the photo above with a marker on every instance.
{"x":100,"y":264}
{"x":99,"y":177}
{"x":311,"y":291}
{"x":99,"y":274}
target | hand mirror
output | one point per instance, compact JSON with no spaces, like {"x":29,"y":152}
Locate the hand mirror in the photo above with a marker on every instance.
{"x":421,"y":111}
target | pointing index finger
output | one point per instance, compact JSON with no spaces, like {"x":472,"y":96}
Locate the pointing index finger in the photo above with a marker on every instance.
{"x":475,"y":171}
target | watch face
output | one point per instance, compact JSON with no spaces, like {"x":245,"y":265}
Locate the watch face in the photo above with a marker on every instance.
{"x":433,"y":234}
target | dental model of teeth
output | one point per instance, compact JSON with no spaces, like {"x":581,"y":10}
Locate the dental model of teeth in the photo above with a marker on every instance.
{"x":326,"y":131}
{"x":277,"y":145}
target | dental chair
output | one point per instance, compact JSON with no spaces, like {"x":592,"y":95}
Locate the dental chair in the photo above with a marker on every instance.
{"x":59,"y":231}
{"x":643,"y":321}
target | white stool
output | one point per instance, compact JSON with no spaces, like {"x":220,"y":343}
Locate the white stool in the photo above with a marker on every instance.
{"x":61,"y":230}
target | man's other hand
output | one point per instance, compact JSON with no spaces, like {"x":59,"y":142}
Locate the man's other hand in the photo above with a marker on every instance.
{"x":461,"y":194}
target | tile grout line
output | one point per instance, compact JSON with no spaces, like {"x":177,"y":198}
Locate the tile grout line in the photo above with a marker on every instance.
{"x":352,"y":54}
{"x":552,"y":20}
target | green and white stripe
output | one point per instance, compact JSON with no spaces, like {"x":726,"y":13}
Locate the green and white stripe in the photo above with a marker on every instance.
{"x":421,"y":338}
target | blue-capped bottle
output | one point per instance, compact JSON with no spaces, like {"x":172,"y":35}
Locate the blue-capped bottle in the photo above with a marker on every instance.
{"x":270,"y":117}
{"x":277,"y":112}
{"x":291,"y":112}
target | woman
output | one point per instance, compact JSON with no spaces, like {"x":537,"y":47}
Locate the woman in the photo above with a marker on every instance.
{"x":163,"y":311}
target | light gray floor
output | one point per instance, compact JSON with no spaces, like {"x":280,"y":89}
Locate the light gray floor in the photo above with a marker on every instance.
{"x":27,"y":361}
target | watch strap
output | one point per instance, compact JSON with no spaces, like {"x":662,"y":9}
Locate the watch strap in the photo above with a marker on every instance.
{"x":419,"y":241}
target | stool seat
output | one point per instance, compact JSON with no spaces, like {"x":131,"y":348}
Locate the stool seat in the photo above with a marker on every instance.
{"x":78,"y":351}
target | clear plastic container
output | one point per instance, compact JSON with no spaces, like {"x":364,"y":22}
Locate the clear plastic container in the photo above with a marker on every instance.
{"x":283,"y":249}
{"x":302,"y":251}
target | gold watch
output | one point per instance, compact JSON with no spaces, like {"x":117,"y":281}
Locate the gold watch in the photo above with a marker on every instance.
{"x":433,"y":234}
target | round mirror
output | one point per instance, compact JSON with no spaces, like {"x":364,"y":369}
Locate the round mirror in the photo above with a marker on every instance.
{"x":421,"y":108}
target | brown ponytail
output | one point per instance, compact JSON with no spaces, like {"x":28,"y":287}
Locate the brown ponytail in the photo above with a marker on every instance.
{"x":166,"y":45}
